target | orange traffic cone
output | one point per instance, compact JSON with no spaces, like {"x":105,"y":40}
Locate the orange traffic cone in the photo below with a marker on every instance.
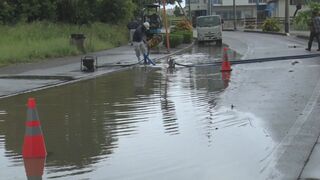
{"x":33,"y":146}
{"x":34,"y":168}
{"x":225,"y":66}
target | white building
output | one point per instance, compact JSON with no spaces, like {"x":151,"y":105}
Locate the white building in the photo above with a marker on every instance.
{"x":244,"y":8}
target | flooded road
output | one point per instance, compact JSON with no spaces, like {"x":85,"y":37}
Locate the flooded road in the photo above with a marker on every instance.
{"x":144,"y":123}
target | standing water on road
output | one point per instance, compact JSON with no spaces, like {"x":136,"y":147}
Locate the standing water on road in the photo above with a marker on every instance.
{"x":142,"y":123}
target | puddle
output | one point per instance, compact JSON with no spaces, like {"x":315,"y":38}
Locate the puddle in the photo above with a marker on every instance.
{"x":143,"y":123}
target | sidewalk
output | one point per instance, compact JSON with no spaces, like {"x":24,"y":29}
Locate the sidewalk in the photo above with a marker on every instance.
{"x":22,"y":78}
{"x":301,"y":34}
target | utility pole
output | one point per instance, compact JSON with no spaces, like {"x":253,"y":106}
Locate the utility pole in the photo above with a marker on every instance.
{"x":189,"y":10}
{"x":234,"y":15}
{"x":164,"y":2}
{"x":286,"y":21}
{"x":209,"y":7}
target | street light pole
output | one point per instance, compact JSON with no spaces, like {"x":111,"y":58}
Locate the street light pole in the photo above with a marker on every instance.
{"x":164,"y":2}
{"x":286,"y":23}
{"x":234,"y":15}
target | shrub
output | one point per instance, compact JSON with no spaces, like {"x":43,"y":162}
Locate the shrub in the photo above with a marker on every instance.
{"x":302,"y":19}
{"x":187,"y":36}
{"x":183,"y":25}
{"x":174,"y":40}
{"x":271,"y":25}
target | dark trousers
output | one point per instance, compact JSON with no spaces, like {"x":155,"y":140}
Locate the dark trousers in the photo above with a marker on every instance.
{"x":311,"y":37}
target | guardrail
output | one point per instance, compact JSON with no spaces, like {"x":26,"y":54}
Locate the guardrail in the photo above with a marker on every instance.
{"x":251,"y":23}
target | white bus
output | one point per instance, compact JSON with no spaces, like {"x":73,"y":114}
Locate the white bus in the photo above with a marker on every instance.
{"x":209,"y":28}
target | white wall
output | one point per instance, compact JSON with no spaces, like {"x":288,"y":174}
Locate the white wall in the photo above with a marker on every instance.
{"x":200,"y":5}
{"x":238,"y":2}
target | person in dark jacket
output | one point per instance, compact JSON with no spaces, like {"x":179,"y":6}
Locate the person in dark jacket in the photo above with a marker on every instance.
{"x":132,"y":26}
{"x":139,"y":39}
{"x":314,"y":30}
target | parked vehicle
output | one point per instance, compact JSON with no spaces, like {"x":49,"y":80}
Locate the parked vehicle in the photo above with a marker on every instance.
{"x":209,"y":28}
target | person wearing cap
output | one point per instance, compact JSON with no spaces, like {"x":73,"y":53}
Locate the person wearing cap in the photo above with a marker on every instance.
{"x":139,"y":39}
{"x":314,"y":30}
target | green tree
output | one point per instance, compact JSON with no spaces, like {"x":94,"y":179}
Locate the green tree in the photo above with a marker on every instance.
{"x":177,"y":11}
{"x":76,"y":11}
{"x":303,"y":17}
{"x":32,"y":10}
{"x":8,"y":12}
{"x":114,"y":11}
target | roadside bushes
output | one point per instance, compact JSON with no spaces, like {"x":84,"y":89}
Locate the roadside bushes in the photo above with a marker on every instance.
{"x":175,"y":40}
{"x":303,"y":18}
{"x":179,"y":37}
{"x":271,"y":25}
{"x":181,"y":33}
{"x":186,"y":35}
{"x":183,"y":25}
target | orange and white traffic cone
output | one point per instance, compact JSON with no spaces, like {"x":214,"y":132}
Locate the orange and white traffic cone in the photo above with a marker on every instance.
{"x":225,"y":65}
{"x":33,"y":146}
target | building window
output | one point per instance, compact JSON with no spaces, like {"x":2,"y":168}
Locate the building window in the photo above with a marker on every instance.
{"x":295,"y":2}
{"x":192,"y":1}
{"x":216,"y":1}
{"x":255,"y":1}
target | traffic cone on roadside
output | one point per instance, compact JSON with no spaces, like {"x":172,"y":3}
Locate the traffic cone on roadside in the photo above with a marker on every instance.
{"x":34,"y":168}
{"x":33,"y":146}
{"x":225,"y":65}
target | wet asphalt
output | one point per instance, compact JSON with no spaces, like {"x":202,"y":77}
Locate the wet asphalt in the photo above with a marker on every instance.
{"x":282,"y":97}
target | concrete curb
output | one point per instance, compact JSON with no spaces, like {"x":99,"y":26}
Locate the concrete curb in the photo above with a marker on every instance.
{"x":301,"y":36}
{"x":305,"y":37}
{"x":228,"y":30}
{"x":256,"y":31}
{"x":264,"y":32}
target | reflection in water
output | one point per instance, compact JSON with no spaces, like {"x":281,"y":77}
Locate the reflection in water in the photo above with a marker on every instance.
{"x":34,"y":168}
{"x":112,"y":127}
{"x":225,"y":76}
{"x":167,"y":106}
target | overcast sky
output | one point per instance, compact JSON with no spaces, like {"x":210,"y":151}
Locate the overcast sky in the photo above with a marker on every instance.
{"x":172,"y":6}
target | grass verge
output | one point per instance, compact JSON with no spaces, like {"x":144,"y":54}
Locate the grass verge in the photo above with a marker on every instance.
{"x":37,"y":41}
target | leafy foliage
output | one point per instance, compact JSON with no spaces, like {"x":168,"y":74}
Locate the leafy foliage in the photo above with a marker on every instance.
{"x":303,"y":17}
{"x":183,"y":25}
{"x":177,"y":11}
{"x":271,"y":25}
{"x":175,"y":40}
{"x":8,"y":12}
{"x":186,"y":35}
{"x":67,"y":11}
{"x":33,"y":10}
